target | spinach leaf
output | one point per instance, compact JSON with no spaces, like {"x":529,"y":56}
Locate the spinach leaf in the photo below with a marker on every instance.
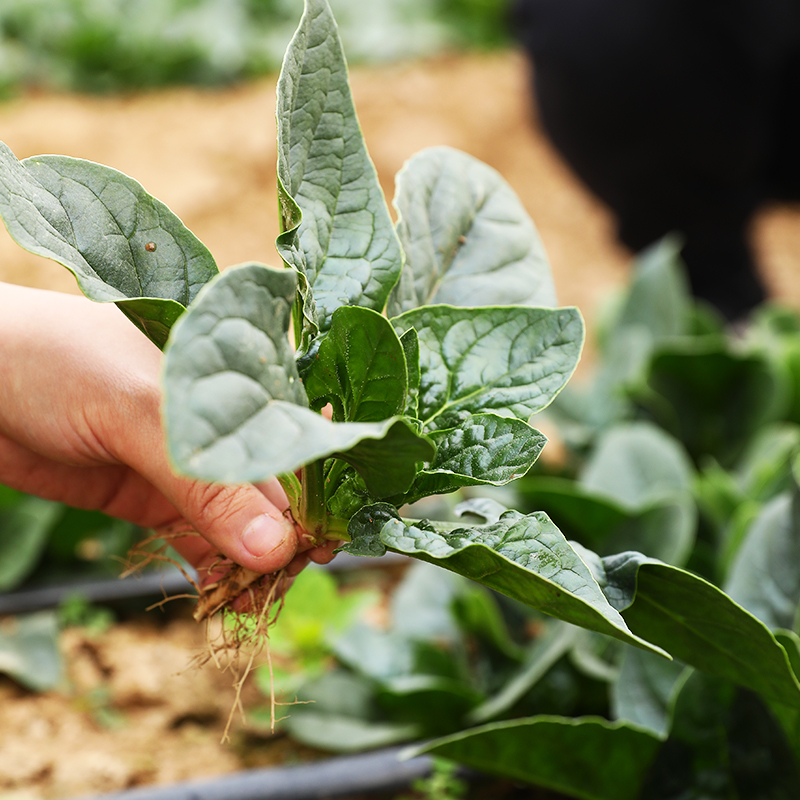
{"x":524,"y":557}
{"x":467,"y":237}
{"x":235,"y":409}
{"x":337,"y":228}
{"x":509,"y":360}
{"x":122,"y":245}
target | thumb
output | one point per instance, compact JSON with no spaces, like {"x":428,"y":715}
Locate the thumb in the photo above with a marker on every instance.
{"x":239,"y":521}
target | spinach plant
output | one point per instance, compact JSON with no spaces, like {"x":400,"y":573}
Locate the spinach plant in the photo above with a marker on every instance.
{"x":433,"y":342}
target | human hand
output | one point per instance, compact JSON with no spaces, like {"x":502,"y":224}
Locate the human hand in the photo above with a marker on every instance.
{"x":80,"y":423}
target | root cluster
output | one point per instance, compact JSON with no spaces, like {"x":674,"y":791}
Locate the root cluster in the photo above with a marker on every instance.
{"x":238,"y":608}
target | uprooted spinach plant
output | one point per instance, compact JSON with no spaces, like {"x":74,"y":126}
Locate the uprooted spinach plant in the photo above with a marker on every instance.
{"x":432,"y":341}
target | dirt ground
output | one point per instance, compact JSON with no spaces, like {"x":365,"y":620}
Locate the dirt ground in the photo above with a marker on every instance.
{"x":210,"y":156}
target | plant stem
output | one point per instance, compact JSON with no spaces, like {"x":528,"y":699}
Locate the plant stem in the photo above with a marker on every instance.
{"x":312,"y":515}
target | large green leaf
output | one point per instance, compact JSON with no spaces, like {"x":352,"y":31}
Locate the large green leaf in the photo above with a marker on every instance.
{"x":696,"y":623}
{"x":235,"y":408}
{"x":360,"y":368}
{"x":346,"y":244}
{"x":508,"y":360}
{"x":25,"y":523}
{"x":481,"y":449}
{"x":467,"y":237}
{"x":764,"y":577}
{"x":724,"y":744}
{"x":122,"y":245}
{"x":644,"y":690}
{"x":524,"y":557}
{"x":636,"y":464}
{"x":709,"y":396}
{"x":588,"y":758}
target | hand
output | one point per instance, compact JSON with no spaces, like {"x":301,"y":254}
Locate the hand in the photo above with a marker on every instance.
{"x":80,"y":423}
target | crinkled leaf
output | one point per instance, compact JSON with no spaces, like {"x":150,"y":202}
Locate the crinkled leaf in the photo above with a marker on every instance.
{"x":360,"y":368}
{"x":644,"y":689}
{"x":482,"y":449}
{"x":764,"y":577}
{"x":122,"y":245}
{"x":589,"y":758}
{"x":25,"y":523}
{"x":345,"y":243}
{"x":524,"y":557}
{"x":235,"y":408}
{"x":697,"y":623}
{"x":508,"y":360}
{"x":467,"y":237}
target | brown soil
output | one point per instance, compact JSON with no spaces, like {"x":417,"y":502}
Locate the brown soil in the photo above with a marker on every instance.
{"x":131,"y":713}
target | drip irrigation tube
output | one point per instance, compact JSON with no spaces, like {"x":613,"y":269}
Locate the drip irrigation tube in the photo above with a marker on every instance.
{"x":160,"y":583}
{"x":342,"y":776}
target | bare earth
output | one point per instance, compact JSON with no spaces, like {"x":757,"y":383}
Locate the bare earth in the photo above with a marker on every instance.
{"x":210,"y":156}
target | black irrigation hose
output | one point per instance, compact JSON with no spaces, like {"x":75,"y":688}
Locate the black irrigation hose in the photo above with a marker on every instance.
{"x":342,"y":776}
{"x":162,"y":583}
{"x":101,"y":590}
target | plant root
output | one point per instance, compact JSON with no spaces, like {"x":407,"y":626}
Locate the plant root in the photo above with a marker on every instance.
{"x":234,"y":638}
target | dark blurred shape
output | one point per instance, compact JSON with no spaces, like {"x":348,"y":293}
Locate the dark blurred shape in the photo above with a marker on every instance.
{"x":682,"y":115}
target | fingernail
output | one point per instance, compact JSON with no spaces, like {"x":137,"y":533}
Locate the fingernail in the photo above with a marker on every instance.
{"x":263,"y":535}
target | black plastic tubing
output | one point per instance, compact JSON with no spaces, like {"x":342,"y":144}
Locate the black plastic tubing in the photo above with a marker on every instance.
{"x":379,"y":771}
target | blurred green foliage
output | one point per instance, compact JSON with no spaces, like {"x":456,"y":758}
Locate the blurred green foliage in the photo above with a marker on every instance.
{"x":118,"y":45}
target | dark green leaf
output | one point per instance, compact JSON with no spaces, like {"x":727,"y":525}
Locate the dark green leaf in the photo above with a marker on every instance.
{"x":387,"y":465}
{"x":644,"y":689}
{"x":467,"y":237}
{"x":540,"y":656}
{"x":508,"y":360}
{"x":724,"y":744}
{"x":25,"y":525}
{"x":588,"y":758}
{"x":697,"y":623}
{"x":360,"y":368}
{"x":482,"y":449}
{"x":121,"y":244}
{"x":524,"y":557}
{"x":347,"y":247}
{"x":711,"y":398}
{"x":235,"y":408}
